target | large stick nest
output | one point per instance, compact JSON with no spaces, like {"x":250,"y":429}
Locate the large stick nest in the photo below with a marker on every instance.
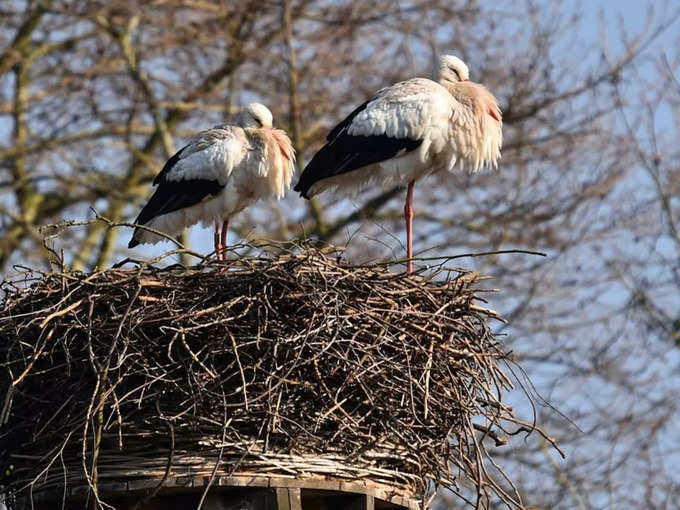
{"x":353,"y":371}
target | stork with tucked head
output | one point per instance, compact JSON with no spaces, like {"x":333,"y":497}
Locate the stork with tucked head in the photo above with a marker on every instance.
{"x":255,"y":115}
{"x":406,"y":131}
{"x":220,"y":172}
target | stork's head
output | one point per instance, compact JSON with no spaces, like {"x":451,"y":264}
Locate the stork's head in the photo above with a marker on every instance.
{"x":453,"y":69}
{"x":255,"y":115}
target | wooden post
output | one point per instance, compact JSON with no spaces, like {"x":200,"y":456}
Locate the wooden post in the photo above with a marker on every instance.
{"x":288,"y":498}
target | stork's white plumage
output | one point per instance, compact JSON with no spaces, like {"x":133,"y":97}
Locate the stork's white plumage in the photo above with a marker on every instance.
{"x":220,"y":172}
{"x":409,"y":130}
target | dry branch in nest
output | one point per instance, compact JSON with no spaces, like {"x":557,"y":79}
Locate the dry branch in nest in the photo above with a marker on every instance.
{"x":290,"y":365}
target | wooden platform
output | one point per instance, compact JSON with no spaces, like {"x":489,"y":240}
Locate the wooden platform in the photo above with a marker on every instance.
{"x":242,"y":492}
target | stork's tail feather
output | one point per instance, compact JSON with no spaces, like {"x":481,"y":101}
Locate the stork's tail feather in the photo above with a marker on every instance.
{"x":315,"y":170}
{"x":303,"y":190}
{"x":144,"y":216}
{"x":133,"y":242}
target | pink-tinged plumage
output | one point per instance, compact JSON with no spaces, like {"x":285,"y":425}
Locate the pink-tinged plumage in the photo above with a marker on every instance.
{"x":409,"y":130}
{"x":220,"y":172}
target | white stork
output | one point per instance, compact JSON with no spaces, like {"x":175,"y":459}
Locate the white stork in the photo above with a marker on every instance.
{"x":220,"y":172}
{"x":406,"y":131}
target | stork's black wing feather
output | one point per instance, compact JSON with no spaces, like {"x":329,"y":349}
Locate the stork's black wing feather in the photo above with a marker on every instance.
{"x":347,"y":121}
{"x":175,"y":195}
{"x":345,"y":153}
{"x":168,"y":166}
{"x":171,"y":195}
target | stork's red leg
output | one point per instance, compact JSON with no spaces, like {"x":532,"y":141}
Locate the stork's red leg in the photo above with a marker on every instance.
{"x":408,"y":216}
{"x":218,"y":248}
{"x":223,"y":238}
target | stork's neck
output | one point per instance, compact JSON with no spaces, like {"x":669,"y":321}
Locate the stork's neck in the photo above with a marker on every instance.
{"x":458,"y":89}
{"x":481,"y":117}
{"x":475,"y":96}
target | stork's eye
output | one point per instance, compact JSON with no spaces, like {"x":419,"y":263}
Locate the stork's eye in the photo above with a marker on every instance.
{"x":457,"y":73}
{"x":259,"y":122}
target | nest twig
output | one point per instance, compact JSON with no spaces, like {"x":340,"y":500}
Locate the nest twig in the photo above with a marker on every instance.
{"x":286,"y":365}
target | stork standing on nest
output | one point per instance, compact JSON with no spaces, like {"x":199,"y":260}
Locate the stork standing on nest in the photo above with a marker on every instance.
{"x":411,"y":129}
{"x":220,"y":172}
